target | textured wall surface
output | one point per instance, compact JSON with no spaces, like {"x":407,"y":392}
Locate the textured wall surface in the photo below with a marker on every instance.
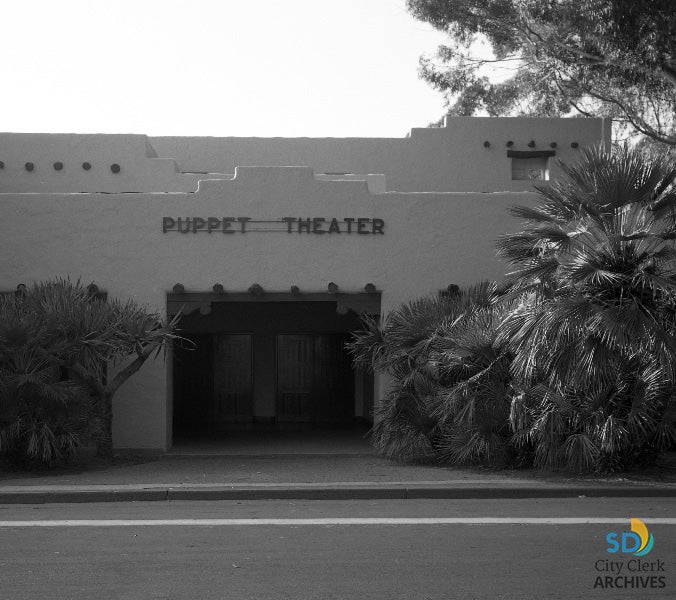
{"x":116,"y":240}
{"x":140,"y":170}
{"x":448,"y":159}
{"x":451,"y":158}
{"x":107,"y":227}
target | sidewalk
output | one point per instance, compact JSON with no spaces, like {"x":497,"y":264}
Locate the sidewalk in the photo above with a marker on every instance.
{"x":355,"y":475}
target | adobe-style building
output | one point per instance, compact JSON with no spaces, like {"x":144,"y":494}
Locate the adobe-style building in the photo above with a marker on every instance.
{"x":270,"y":249}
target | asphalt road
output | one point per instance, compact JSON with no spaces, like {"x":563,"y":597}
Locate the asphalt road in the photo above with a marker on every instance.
{"x":305,"y":549}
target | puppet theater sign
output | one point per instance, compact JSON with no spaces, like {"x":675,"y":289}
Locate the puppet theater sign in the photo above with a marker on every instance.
{"x":313,"y":225}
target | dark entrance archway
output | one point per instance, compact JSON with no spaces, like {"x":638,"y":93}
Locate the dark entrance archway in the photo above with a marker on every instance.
{"x":267,"y":363}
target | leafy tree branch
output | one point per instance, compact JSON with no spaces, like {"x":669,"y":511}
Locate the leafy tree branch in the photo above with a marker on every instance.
{"x":612,"y":58}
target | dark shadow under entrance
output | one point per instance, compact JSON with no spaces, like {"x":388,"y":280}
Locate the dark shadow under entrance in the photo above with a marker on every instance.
{"x":267,"y":365}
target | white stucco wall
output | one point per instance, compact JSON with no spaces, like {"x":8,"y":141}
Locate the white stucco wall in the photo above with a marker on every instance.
{"x":451,"y":158}
{"x":140,"y":168}
{"x":451,"y":203}
{"x":430,"y":240}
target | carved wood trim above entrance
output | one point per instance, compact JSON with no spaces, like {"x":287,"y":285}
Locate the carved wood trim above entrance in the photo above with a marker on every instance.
{"x":189,"y":302}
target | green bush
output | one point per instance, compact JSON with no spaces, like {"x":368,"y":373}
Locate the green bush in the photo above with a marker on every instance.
{"x":59,"y":343}
{"x":592,"y":332}
{"x":451,"y":386}
{"x":574,"y":365}
{"x":45,"y":418}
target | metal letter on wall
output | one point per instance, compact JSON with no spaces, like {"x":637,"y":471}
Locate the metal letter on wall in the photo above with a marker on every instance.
{"x":291,"y":225}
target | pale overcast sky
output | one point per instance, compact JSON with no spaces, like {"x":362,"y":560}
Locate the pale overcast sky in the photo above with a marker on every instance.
{"x":208,"y":67}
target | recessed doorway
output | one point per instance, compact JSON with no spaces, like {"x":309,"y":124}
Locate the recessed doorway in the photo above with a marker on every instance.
{"x":267,"y":366}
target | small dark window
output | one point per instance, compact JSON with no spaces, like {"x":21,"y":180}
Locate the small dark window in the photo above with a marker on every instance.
{"x":536,"y":168}
{"x":29,"y":166}
{"x":58,"y":166}
{"x":115,"y":168}
{"x":2,"y":165}
{"x":86,"y":166}
{"x":530,"y":164}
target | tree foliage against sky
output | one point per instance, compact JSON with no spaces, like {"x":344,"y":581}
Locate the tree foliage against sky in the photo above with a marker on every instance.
{"x":614,"y":58}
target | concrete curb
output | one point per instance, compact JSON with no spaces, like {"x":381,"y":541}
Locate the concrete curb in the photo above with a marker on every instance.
{"x":73,"y":496}
{"x":408,"y":491}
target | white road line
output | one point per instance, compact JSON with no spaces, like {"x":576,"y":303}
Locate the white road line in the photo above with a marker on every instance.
{"x":334,"y":521}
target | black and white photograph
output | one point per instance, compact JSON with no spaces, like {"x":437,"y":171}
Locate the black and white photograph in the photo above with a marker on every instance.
{"x":338,"y":300}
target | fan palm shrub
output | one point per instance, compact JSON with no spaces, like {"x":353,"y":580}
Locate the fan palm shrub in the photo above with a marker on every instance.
{"x":594,"y":314}
{"x":45,"y":418}
{"x":60,"y":327}
{"x":450,"y":392}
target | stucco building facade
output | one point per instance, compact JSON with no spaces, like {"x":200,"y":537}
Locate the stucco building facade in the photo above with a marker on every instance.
{"x":270,"y":248}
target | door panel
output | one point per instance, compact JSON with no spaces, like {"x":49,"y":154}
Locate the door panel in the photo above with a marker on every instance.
{"x":334,"y":380}
{"x":315,"y":381}
{"x":232,"y":376}
{"x":294,"y":378}
{"x":192,"y":383}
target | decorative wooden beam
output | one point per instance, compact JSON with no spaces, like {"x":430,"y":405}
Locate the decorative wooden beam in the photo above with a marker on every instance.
{"x":451,"y":291}
{"x":92,"y":290}
{"x":530,"y":153}
{"x":190,"y":302}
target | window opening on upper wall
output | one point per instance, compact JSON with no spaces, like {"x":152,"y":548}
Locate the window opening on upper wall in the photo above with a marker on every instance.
{"x":530,"y":168}
{"x":531,"y":165}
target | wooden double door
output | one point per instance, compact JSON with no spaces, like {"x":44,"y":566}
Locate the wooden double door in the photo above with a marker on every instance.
{"x":215,"y":380}
{"x":212,"y":382}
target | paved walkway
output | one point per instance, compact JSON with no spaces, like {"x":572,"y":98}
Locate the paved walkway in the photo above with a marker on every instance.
{"x":350,"y":441}
{"x":318,"y":467}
